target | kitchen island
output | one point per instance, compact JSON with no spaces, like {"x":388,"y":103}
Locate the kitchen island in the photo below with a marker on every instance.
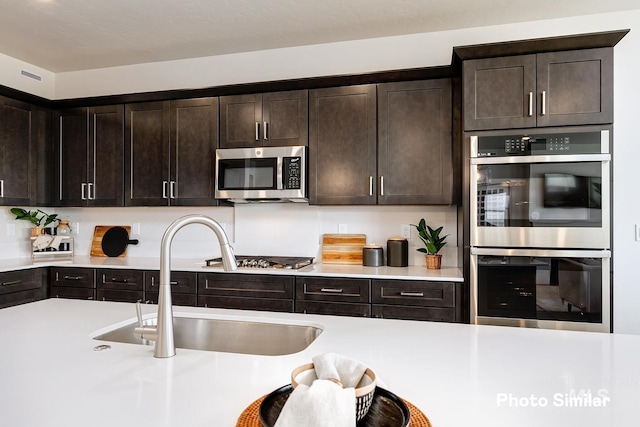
{"x":457,"y":374}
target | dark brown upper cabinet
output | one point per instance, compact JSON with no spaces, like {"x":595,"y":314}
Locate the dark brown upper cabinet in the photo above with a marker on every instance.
{"x":415,"y":161}
{"x":264,"y":120}
{"x":89,"y":170}
{"x":170,"y":152}
{"x":342,"y":146}
{"x":545,"y":89}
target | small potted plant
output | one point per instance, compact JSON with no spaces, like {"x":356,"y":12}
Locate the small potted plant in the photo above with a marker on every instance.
{"x":433,"y":242}
{"x":38,"y":218}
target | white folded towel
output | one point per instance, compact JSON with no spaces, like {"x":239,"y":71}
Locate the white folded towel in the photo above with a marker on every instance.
{"x":325,"y":403}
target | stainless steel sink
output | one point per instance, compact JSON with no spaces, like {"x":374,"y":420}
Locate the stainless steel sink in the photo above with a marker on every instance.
{"x":229,"y":336}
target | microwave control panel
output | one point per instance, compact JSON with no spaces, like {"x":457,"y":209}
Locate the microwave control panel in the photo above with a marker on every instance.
{"x":291,"y":173}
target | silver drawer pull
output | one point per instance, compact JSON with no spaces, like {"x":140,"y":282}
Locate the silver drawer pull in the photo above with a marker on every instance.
{"x":72,"y":277}
{"x":14,"y":282}
{"x":411,"y":294}
{"x":331,"y":290}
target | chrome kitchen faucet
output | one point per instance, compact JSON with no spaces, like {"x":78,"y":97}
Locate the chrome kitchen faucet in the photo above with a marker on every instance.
{"x":162,"y":333}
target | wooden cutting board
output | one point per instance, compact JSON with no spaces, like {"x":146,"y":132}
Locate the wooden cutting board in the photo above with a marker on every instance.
{"x":98,"y":234}
{"x":343,"y":248}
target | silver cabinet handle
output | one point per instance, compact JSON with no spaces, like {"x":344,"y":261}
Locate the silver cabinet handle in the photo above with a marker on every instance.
{"x":91,"y":194}
{"x":530,"y":104}
{"x":257,"y":131}
{"x":164,"y":189}
{"x":331,"y":290}
{"x":1,"y":187}
{"x":381,"y":185}
{"x":264,"y":130}
{"x":172,"y":190}
{"x":14,"y":282}
{"x":411,"y":294}
{"x":370,"y":186}
{"x":544,"y":102}
{"x":83,"y":189}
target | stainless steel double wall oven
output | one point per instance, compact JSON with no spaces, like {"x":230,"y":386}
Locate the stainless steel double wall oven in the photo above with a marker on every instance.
{"x":540,"y":234}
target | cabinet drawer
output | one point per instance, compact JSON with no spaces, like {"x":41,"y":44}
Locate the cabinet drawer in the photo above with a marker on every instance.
{"x":186,"y":300}
{"x":20,"y":297}
{"x":413,"y":313}
{"x":17,"y":281}
{"x":414,"y":292}
{"x":332,"y":289}
{"x":263,"y":304}
{"x":119,"y":295}
{"x":72,"y":293}
{"x":182,"y":282}
{"x":246,"y":285}
{"x":73,"y":277}
{"x":333,"y":308}
{"x":128,"y":280}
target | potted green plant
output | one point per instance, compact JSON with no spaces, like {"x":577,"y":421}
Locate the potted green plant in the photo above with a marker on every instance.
{"x":38,"y":218}
{"x":432,"y":241}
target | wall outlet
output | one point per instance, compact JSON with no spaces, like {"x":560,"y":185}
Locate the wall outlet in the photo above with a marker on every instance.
{"x":75,"y":228}
{"x":406,"y":231}
{"x":342,"y":229}
{"x":135,"y":229}
{"x":637,"y":233}
{"x":11,"y":229}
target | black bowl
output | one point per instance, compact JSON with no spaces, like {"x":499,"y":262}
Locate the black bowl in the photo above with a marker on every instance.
{"x":387,"y":409}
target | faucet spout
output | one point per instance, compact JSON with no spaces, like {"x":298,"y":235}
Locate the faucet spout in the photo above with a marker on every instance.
{"x":162,"y":333}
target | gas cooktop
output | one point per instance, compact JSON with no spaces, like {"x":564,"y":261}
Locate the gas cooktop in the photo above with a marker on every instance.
{"x":246,"y":261}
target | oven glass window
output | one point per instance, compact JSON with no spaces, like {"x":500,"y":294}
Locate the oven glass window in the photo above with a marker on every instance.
{"x":246,"y":174}
{"x":539,"y":194}
{"x":544,"y":288}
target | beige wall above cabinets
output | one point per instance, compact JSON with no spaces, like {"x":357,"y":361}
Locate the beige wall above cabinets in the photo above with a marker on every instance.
{"x":385,"y":144}
{"x":271,"y":119}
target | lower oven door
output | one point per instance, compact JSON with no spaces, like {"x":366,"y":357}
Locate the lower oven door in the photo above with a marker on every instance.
{"x":551,"y":289}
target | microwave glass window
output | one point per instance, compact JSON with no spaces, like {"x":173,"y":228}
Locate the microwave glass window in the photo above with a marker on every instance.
{"x":539,"y":195}
{"x":244,"y":174}
{"x":544,"y":288}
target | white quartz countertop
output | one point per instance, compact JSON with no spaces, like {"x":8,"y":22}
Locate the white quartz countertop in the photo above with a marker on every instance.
{"x":458,"y":375}
{"x":452,"y":274}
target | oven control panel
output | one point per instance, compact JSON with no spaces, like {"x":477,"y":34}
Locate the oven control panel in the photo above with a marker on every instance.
{"x":533,"y":145}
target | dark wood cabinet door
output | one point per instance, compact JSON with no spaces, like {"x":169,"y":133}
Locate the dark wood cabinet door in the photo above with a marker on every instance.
{"x":17,"y":164}
{"x":240,"y":121}
{"x":285,"y":118}
{"x":147,"y":154}
{"x":342,"y":146}
{"x":499,"y":93}
{"x":415,"y":163}
{"x":105,"y":168}
{"x":71,"y":172}
{"x":575,"y":87}
{"x":194,"y":139}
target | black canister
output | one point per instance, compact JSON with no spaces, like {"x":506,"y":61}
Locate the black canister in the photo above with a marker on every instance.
{"x":397,"y":252}
{"x":372,"y":256}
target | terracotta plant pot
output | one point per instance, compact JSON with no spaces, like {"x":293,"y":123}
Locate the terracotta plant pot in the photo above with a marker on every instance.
{"x":36,"y":231}
{"x":434,"y":262}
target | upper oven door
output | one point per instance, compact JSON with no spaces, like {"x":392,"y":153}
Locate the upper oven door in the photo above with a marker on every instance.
{"x":540,"y":199}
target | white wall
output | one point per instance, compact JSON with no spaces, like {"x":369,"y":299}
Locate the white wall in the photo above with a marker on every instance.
{"x":10,"y":69}
{"x":418,"y":50}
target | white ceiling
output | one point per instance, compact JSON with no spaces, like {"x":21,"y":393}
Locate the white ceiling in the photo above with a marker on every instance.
{"x":65,"y":35}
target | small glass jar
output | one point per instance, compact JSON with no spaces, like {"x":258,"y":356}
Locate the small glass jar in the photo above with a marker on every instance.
{"x":63,"y":228}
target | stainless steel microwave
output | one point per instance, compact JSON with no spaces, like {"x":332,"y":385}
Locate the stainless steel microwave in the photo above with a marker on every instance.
{"x":262,"y":174}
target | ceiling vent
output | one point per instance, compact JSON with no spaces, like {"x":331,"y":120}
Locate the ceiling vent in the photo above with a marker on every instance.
{"x":31,"y":75}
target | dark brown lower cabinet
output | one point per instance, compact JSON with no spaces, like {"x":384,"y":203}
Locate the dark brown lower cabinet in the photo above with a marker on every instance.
{"x":72,"y":282}
{"x":246,"y":291}
{"x":184,"y":287}
{"x":335,"y":296}
{"x":120,"y":285}
{"x":416,"y":300}
{"x":21,"y":287}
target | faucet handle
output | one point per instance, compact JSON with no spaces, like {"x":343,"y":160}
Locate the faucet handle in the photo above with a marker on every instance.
{"x":139,"y":313}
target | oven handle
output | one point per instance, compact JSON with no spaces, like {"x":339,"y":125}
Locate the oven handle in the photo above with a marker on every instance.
{"x":541,"y":159}
{"x":565,"y":253}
